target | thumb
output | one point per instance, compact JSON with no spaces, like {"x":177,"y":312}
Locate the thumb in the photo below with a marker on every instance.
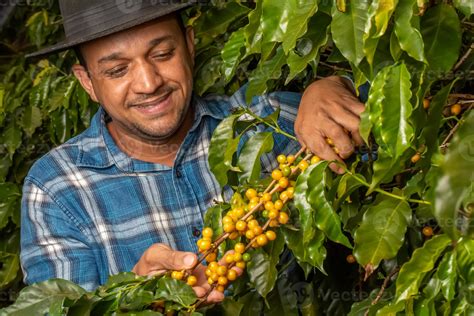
{"x":178,"y":260}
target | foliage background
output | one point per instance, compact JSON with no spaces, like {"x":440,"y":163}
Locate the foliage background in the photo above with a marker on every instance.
{"x":421,"y":48}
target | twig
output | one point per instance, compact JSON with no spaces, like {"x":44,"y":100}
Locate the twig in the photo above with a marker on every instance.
{"x":382,"y":289}
{"x":464,"y":57}
{"x":334,"y":67}
{"x":462,"y":95}
{"x":452,"y":131}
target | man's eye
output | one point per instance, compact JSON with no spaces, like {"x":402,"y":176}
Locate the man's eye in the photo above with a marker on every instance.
{"x":163,"y":55}
{"x":116,"y":72}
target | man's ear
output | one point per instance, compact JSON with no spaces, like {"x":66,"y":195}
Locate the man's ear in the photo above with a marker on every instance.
{"x":82,"y":75}
{"x":190,"y":41}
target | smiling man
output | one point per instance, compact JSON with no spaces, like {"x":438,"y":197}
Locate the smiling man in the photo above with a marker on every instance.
{"x":130,"y":192}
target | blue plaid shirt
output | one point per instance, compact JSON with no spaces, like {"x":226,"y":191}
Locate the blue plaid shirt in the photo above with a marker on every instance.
{"x":89,"y":210}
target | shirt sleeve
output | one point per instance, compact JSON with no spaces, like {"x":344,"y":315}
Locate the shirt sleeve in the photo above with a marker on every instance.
{"x":52,"y":245}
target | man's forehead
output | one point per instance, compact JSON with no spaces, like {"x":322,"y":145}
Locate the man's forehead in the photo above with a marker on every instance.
{"x":163,"y":29}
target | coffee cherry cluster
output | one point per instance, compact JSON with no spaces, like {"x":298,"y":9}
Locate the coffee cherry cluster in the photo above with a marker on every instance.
{"x":250,"y":222}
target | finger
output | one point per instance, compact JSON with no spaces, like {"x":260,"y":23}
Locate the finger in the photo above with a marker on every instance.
{"x":215,"y":297}
{"x":200,"y":291}
{"x":318,"y":146}
{"x":342,"y":142}
{"x":162,"y":257}
{"x":357,"y":138}
{"x":355,"y":106}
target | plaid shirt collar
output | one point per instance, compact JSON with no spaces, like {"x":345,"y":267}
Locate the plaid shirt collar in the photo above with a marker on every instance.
{"x":101,"y":151}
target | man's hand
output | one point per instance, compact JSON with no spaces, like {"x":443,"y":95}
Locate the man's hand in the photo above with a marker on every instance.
{"x":160,"y":258}
{"x":329,"y":109}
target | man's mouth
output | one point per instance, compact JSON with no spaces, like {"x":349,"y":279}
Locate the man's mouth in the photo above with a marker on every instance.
{"x":156,"y":106}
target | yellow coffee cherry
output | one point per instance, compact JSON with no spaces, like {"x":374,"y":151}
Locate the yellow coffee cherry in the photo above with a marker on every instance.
{"x":315,"y":160}
{"x":303,"y":165}
{"x":250,"y":193}
{"x":290,"y":159}
{"x":208,"y":272}
{"x":177,"y":275}
{"x":207,"y":232}
{"x":253,"y":205}
{"x":277,"y":174}
{"x":237,"y":256}
{"x":252,"y":223}
{"x":215,"y":276}
{"x":257,"y":230}
{"x":281,"y":159}
{"x":227,"y":220}
{"x":273,"y":214}
{"x":228,"y":227}
{"x":415,"y":158}
{"x":249,"y":234}
{"x":262,"y":240}
{"x":266,"y":197}
{"x":239,"y":212}
{"x":278,"y":205}
{"x":283,"y":218}
{"x":269,"y":205}
{"x":233,"y":235}
{"x":255,"y":200}
{"x":271,"y":235}
{"x":220,"y":288}
{"x":213,"y":266}
{"x":290,"y":192}
{"x":241,"y":225}
{"x":211,"y":257}
{"x":210,"y":281}
{"x":240,"y":264}
{"x":239,"y":247}
{"x":274,"y":223}
{"x":426,"y":103}
{"x":283,"y":182}
{"x":222,"y":270}
{"x":229,"y":258}
{"x":231,"y":275}
{"x":191,"y":280}
{"x":284,"y":196}
{"x":222,"y":280}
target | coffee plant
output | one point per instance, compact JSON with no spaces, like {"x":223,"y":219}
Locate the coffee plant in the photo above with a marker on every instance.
{"x":391,"y":235}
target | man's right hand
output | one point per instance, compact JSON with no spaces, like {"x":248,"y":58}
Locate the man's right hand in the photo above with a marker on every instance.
{"x":160,"y":258}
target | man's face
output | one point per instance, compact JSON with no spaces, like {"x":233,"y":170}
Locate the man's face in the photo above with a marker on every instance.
{"x":142,"y":77}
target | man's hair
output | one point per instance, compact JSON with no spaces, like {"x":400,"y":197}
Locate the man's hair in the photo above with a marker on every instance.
{"x":80,"y":56}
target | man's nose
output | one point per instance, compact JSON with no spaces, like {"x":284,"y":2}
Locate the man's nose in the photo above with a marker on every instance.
{"x":146,"y":78}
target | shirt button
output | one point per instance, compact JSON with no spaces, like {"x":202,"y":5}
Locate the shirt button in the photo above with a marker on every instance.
{"x":196,"y":232}
{"x":178,"y":174}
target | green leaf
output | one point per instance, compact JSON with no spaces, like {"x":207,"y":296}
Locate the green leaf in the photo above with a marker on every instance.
{"x":465,"y":6}
{"x":407,"y":30}
{"x":286,"y":21}
{"x":421,"y":262}
{"x":213,"y":219}
{"x":266,"y":71}
{"x":308,"y":46}
{"x":217,"y":20}
{"x":31,"y":120}
{"x":9,"y":269}
{"x":441,"y":30}
{"x":325,"y":218}
{"x":222,"y":148}
{"x":262,"y":268}
{"x":465,"y":262}
{"x":232,"y":53}
{"x":11,"y":138}
{"x":379,"y":14}
{"x":175,"y":291}
{"x":455,"y":185}
{"x":382,"y":232}
{"x":348,"y":29}
{"x":429,"y":134}
{"x":388,"y":117}
{"x":9,"y":202}
{"x":249,"y":158}
{"x":37,"y":298}
{"x":307,"y":229}
{"x":447,"y":275}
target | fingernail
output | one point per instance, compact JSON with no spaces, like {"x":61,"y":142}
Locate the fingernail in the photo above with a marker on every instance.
{"x":188,"y":260}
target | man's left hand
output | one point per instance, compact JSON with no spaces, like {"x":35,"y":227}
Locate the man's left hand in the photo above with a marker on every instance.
{"x":330,"y":111}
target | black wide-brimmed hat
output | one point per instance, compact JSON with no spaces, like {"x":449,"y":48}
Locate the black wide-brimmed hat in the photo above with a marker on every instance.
{"x":86,"y":20}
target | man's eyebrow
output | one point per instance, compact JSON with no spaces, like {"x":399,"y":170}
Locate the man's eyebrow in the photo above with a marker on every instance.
{"x":159,"y":40}
{"x":110,"y":57}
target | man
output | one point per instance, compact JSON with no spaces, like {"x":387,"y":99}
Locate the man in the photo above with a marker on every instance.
{"x":129,"y":193}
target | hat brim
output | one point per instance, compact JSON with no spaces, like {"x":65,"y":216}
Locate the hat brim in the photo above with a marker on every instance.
{"x":67,"y":44}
